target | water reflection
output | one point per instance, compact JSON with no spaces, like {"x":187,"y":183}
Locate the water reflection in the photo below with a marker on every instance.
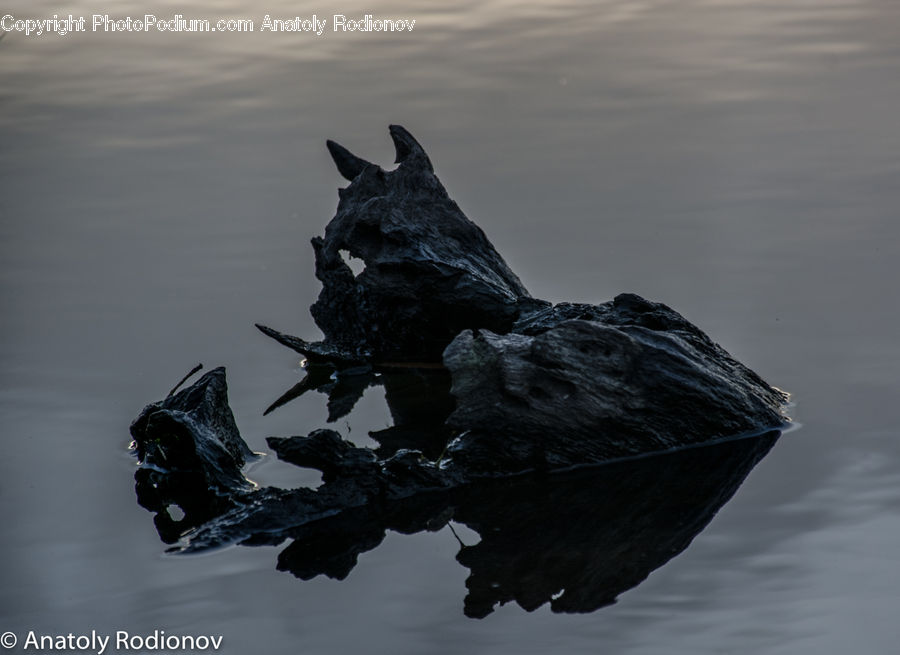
{"x":419,"y":401}
{"x":574,"y":539}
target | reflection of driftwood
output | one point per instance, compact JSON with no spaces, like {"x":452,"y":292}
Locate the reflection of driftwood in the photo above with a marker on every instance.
{"x":595,"y":533}
{"x":418,"y":398}
{"x":575,"y":540}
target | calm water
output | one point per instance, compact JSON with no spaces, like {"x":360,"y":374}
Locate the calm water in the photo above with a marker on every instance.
{"x":737,"y":160}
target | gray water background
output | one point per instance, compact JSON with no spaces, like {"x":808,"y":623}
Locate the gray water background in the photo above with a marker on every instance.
{"x":737,"y":160}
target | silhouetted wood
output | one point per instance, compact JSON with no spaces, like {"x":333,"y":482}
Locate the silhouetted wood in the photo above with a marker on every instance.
{"x":496,"y":396}
{"x":429,"y":272}
{"x":623,"y":378}
{"x":555,"y":385}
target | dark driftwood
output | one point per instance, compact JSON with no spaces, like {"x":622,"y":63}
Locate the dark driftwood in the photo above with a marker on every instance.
{"x":191,"y":456}
{"x":526,"y":392}
{"x":429,"y":272}
{"x":549,"y":385}
{"x":588,"y":383}
{"x":193,"y":431}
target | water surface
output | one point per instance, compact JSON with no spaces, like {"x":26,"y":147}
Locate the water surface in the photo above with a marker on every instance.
{"x":735,"y":160}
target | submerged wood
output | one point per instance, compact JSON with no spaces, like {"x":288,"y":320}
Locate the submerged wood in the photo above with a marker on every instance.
{"x":575,"y":539}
